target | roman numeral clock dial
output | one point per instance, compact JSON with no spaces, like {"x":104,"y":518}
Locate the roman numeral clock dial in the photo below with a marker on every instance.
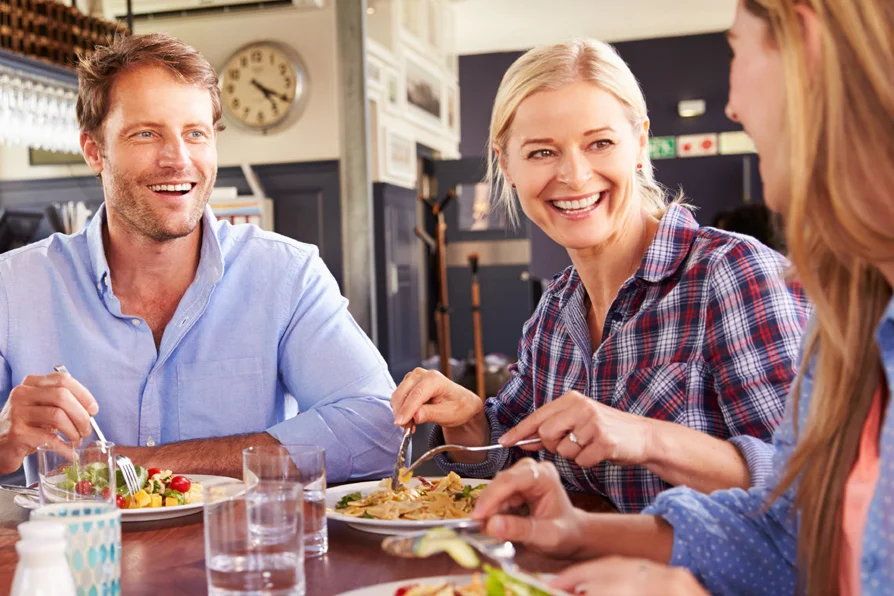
{"x":263,"y":86}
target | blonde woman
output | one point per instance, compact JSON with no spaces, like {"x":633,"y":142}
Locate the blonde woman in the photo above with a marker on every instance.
{"x":664,"y":354}
{"x":811,"y":82}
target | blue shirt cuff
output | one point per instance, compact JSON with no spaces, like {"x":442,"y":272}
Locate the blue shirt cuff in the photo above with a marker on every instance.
{"x":758,"y":456}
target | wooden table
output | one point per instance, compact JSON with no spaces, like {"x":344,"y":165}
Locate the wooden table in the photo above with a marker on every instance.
{"x":168,"y":557}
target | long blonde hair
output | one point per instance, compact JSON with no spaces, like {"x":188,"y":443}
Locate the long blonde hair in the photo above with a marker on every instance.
{"x":840,"y":137}
{"x":551,"y":67}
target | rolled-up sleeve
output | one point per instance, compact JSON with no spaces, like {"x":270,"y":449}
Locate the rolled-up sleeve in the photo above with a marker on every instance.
{"x":339,"y":379}
{"x":755,"y":323}
{"x":730,"y":540}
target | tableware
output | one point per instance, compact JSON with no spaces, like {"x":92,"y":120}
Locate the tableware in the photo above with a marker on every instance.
{"x":448,"y":448}
{"x":102,"y":439}
{"x":401,"y":457}
{"x":93,"y":543}
{"x":129,"y":473}
{"x":149,"y":514}
{"x":239,"y":560}
{"x":304,"y":464}
{"x":381,"y":526}
{"x":391,"y":588}
{"x":20,"y":490}
{"x":76,"y":473}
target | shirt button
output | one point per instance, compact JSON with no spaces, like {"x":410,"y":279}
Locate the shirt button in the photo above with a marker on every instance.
{"x":99,"y":286}
{"x":150,"y":442}
{"x":135,"y":322}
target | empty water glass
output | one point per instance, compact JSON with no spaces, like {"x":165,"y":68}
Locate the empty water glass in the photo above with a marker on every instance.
{"x":237,"y":561}
{"x":304,"y":464}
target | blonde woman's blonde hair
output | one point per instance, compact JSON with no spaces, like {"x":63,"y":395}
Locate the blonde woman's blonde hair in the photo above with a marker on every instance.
{"x":551,"y":67}
{"x":840,"y":140}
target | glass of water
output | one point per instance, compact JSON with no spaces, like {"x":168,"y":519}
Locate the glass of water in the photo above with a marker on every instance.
{"x":305,"y":464}
{"x":253,"y":539}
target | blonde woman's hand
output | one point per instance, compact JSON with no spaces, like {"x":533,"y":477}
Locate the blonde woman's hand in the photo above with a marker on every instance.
{"x":585,"y":431}
{"x":553,"y":524}
{"x":621,"y":576}
{"x":429,"y":396}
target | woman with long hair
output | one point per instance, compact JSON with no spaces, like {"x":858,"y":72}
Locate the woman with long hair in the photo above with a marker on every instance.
{"x":811,"y":82}
{"x":663,"y":355}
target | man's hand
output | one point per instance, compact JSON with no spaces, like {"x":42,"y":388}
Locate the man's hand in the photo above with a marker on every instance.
{"x":38,"y":409}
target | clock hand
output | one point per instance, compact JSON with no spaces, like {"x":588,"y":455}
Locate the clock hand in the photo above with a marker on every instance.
{"x":268,"y":93}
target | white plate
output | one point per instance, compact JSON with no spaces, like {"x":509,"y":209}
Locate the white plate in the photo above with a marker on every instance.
{"x":147,"y":514}
{"x":391,"y":588}
{"x":383,"y":526}
{"x":461,"y":580}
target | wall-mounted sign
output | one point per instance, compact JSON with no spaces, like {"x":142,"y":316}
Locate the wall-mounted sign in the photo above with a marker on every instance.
{"x":662,"y":147}
{"x":697,"y":145}
{"x":735,"y":143}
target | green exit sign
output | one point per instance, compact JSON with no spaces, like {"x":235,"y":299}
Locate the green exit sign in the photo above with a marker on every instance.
{"x":662,"y":147}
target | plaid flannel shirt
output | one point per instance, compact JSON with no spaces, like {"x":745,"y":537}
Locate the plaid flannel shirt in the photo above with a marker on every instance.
{"x":706,"y":333}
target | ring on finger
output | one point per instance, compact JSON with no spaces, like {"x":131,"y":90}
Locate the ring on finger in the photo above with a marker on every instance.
{"x":573,"y":439}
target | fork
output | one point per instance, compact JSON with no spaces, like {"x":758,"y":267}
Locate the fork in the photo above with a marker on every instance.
{"x":445,"y":448}
{"x":102,"y":440}
{"x":129,"y":472}
{"x":401,"y":457}
{"x":499,"y":551}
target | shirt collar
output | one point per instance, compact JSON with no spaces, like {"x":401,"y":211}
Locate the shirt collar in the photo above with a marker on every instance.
{"x":211,"y":261}
{"x":677,"y":230}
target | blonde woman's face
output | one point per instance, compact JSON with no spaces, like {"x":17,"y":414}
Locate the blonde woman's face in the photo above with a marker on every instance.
{"x":572,"y":155}
{"x":757,"y":100}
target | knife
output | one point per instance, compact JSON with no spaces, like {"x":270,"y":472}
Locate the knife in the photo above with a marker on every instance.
{"x":20,"y":490}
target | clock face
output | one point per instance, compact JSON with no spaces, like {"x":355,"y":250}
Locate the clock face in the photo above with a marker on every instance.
{"x":261,"y":85}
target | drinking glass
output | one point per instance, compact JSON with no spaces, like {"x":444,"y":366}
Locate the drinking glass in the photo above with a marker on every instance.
{"x":305,"y":464}
{"x":76,"y":473}
{"x":241,"y":562}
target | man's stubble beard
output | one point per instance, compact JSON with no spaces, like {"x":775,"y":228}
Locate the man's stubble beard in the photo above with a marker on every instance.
{"x":138,"y":215}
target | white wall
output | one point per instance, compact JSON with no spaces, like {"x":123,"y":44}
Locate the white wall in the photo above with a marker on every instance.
{"x":484,"y":26}
{"x":314,"y":136}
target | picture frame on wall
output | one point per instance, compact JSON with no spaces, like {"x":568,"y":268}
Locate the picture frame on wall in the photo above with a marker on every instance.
{"x":423,"y":89}
{"x":400,"y":155}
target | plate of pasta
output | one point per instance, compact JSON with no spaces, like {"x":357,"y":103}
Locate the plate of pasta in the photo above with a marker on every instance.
{"x":418,"y":504}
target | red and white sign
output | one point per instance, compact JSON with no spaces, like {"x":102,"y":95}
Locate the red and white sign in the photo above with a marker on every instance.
{"x":696,"y":145}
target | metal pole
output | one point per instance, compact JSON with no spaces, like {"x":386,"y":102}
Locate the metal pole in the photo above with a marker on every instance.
{"x":130,"y":16}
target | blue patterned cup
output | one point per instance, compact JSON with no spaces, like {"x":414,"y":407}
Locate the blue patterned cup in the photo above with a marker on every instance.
{"x":93,"y":544}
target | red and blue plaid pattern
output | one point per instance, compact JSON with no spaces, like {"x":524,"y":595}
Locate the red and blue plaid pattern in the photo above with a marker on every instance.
{"x":706,"y":334}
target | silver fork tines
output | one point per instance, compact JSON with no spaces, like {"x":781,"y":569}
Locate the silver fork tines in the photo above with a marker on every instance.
{"x":129,"y":472}
{"x":401,"y":457}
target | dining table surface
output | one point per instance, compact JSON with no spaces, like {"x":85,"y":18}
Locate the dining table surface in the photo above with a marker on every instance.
{"x":167,"y":557}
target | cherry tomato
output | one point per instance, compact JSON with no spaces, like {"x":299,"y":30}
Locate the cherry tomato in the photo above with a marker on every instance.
{"x":84,"y":487}
{"x":121,"y":502}
{"x":154,"y":471}
{"x":404,"y":590}
{"x":106,"y":492}
{"x":181,"y":484}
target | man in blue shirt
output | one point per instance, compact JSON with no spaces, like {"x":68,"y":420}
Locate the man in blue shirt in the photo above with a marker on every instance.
{"x":189,"y":339}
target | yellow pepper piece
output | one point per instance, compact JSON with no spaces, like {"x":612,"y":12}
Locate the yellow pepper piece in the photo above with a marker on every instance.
{"x":171,"y":502}
{"x":142,"y":499}
{"x":155,"y":501}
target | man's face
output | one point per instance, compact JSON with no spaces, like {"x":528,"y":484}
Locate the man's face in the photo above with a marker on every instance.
{"x":158,"y":154}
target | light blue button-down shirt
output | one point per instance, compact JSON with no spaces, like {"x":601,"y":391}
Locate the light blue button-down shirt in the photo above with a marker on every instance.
{"x":735,"y":545}
{"x":262,"y":333}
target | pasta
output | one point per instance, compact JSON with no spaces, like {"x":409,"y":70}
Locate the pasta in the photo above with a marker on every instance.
{"x":445,"y":498}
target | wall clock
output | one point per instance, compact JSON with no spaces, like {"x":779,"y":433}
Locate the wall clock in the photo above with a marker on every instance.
{"x":263,"y":85}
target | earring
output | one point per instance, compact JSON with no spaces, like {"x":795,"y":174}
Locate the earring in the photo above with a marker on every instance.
{"x":639,"y":166}
{"x":513,"y":186}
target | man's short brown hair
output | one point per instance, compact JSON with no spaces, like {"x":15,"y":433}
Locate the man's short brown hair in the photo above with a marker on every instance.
{"x":98,"y":72}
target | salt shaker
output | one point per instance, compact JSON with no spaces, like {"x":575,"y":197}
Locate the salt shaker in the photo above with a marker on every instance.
{"x":42,"y":569}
